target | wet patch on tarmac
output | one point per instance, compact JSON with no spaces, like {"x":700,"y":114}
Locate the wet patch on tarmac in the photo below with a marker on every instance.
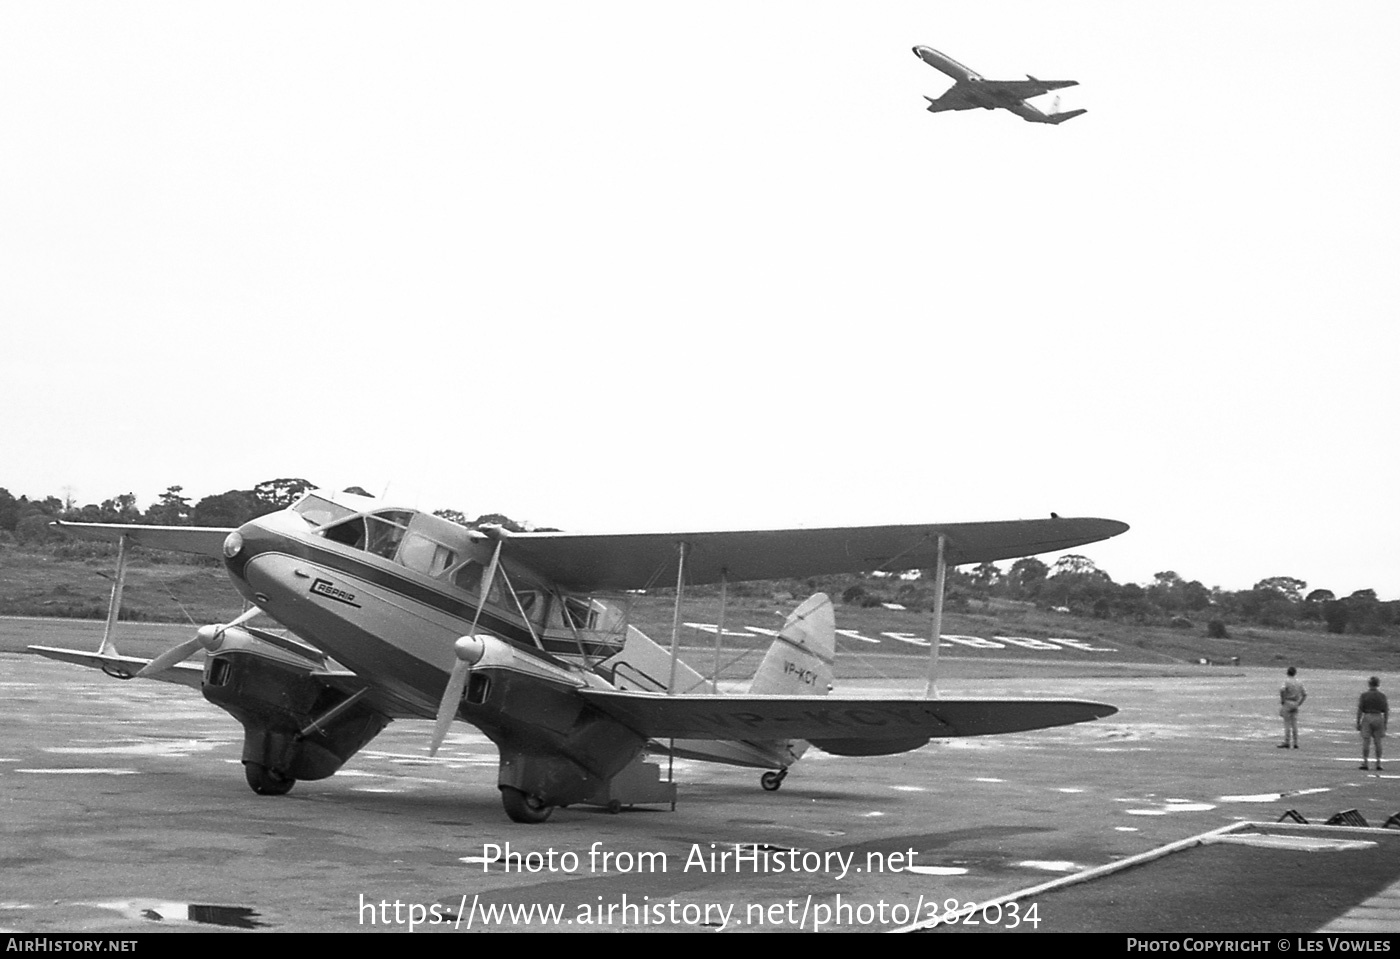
{"x":1050,"y":865}
{"x":89,"y":771}
{"x":1274,"y":797}
{"x":233,"y":917}
{"x":178,"y":748}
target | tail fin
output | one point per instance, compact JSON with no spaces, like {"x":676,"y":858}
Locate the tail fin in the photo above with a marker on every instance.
{"x":800,"y":659}
{"x":1067,"y":115}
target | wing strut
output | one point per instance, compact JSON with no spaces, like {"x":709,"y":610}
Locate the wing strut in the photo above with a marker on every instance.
{"x":936,"y":630}
{"x":114,"y":606}
{"x":719,"y":633}
{"x":676,"y":619}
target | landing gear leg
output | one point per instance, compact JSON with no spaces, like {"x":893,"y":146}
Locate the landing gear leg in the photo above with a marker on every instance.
{"x":267,"y":782}
{"x":523,"y":808}
{"x":771,"y":781}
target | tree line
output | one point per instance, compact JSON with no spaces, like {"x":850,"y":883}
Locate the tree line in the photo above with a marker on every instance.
{"x":1072,"y":584}
{"x":28,"y":520}
{"x":1075,"y":584}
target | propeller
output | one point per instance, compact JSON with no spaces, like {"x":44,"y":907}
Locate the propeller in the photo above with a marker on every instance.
{"x":469,"y":650}
{"x":207,"y":638}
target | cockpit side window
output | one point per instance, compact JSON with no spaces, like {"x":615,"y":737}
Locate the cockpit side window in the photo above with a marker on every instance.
{"x":319,"y":511}
{"x":350,"y":533}
{"x":386,"y":529}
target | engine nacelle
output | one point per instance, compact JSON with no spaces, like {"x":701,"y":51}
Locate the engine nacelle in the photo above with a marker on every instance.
{"x":277,"y":703}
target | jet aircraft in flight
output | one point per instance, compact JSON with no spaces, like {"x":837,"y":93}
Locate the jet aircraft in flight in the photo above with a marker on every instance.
{"x":972,"y":92}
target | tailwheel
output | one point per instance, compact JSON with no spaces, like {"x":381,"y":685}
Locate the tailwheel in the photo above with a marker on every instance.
{"x":771,"y":781}
{"x":267,"y":782}
{"x":523,"y":808}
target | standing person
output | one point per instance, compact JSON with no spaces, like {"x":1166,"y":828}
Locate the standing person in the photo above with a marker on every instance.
{"x":1290,"y":696}
{"x":1372,"y":715}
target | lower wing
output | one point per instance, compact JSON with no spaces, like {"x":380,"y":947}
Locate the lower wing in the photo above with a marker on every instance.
{"x":843,"y":726}
{"x":123,"y":667}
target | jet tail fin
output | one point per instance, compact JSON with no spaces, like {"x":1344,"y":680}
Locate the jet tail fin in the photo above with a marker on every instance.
{"x":1062,"y":117}
{"x":799,"y":663}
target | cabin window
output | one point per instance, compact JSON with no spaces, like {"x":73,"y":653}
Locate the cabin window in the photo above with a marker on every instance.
{"x":529,"y":603}
{"x":386,"y":530}
{"x":425,"y":556}
{"x":574,"y":612}
{"x":468,"y":578}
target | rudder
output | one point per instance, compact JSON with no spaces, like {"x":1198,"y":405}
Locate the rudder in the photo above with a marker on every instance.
{"x":799,"y":663}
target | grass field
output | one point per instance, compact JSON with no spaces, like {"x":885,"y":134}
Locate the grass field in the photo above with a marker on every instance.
{"x":40,"y":584}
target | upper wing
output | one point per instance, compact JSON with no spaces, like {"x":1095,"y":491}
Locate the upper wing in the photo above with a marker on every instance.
{"x":207,"y":540}
{"x":846,"y":726}
{"x":594,"y":561}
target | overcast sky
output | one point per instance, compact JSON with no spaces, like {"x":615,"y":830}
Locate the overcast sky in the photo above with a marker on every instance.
{"x":638,"y":265}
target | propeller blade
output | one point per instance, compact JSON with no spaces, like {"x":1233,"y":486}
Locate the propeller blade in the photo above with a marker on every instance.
{"x":469,"y":651}
{"x":176,"y":654}
{"x":208,"y":638}
{"x":246,"y":615}
{"x":451,"y":699}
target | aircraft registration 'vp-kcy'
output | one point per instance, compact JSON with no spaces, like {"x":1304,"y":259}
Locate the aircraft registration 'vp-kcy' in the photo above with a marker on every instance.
{"x":391,"y":613}
{"x":974,"y":92}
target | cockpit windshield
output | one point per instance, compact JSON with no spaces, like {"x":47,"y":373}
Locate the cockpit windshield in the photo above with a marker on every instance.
{"x":385,"y":533}
{"x":318,"y":511}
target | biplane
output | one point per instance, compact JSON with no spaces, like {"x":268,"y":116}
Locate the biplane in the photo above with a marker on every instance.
{"x":393,"y":613}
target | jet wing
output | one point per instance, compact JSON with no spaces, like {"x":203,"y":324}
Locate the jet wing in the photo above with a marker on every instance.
{"x":1024,"y":89}
{"x":596,"y":561}
{"x":954,"y":99}
{"x":206,"y":540}
{"x":843,"y":726}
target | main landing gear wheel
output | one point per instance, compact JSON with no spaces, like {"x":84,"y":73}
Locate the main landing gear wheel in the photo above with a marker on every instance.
{"x":771,"y":781}
{"x":267,"y":782}
{"x":523,"y":808}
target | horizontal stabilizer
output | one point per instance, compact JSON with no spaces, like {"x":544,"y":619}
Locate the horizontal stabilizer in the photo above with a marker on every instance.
{"x":834,"y":720}
{"x":1067,"y":115}
{"x":124,"y":667}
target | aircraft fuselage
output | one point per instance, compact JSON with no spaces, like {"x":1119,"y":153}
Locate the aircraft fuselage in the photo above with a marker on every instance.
{"x":945,"y":64}
{"x":364,"y":604}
